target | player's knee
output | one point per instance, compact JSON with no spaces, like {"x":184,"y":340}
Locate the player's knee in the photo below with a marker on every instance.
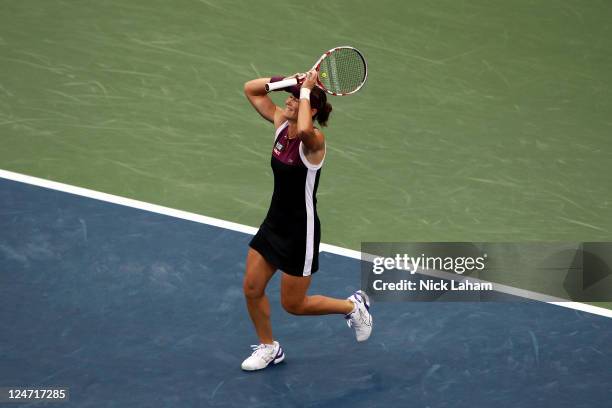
{"x":252,"y":290}
{"x":294,"y":306}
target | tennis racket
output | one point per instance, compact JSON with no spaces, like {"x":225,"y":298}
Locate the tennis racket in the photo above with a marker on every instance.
{"x":342,"y":71}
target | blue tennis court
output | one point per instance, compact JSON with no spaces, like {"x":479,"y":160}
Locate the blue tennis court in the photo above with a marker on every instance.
{"x":129,"y":308}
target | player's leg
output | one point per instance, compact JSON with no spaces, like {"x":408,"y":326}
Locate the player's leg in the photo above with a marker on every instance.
{"x":257,"y":275}
{"x":355,"y":309}
{"x":295,"y":300}
{"x":256,"y":278}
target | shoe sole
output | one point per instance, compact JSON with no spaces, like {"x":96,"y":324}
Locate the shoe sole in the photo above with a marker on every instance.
{"x":276,"y":360}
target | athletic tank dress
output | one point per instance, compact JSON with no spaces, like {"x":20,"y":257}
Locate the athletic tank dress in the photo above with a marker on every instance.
{"x":290,"y":234}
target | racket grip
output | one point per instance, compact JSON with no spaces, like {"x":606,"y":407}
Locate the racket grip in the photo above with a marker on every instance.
{"x":285,"y":83}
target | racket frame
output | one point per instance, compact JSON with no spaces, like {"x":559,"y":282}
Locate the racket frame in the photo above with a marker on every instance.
{"x":285,"y":83}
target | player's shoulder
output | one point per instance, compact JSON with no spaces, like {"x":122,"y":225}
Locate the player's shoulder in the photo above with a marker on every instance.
{"x":279,"y":118}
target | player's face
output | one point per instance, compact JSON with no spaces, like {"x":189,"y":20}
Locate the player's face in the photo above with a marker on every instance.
{"x":292,"y":105}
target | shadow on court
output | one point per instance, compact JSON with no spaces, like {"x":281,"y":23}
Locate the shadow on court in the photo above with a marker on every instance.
{"x":134,"y":309}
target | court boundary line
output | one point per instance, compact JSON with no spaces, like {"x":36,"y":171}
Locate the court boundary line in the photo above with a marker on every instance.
{"x":245,"y":229}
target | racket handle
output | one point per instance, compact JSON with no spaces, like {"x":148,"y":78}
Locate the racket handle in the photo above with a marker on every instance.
{"x":285,"y":83}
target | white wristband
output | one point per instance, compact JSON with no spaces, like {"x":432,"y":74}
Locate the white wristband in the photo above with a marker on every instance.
{"x":305,"y":94}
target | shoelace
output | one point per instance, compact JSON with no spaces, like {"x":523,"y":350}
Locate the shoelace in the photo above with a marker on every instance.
{"x":360,"y":316}
{"x":260,"y":350}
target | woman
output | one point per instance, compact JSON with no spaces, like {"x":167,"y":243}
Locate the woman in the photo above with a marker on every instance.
{"x":288,"y":239}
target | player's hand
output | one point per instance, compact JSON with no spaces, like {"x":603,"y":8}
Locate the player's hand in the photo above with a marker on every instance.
{"x":300,"y":76}
{"x":310,"y":80}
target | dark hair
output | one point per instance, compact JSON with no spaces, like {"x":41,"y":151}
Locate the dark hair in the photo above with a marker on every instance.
{"x":318,"y":101}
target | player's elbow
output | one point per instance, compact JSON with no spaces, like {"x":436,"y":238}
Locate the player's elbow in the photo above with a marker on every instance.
{"x":250,"y":88}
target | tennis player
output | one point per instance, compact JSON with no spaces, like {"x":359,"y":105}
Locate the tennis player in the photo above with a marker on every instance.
{"x":288,"y":239}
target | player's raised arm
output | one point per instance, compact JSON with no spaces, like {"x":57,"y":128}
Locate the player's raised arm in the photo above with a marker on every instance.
{"x":256,"y":93}
{"x":313,"y":140}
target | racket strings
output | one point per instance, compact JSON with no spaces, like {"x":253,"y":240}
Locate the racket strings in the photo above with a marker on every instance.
{"x":343,"y":71}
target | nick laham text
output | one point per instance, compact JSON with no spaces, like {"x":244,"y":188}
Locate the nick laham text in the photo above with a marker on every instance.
{"x":431,"y":284}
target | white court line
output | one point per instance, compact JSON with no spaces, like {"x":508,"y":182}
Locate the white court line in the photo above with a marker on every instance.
{"x":349,"y":253}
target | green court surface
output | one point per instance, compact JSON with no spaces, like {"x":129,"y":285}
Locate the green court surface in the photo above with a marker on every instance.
{"x":481,"y":120}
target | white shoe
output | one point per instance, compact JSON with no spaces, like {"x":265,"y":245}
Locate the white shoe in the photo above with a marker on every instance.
{"x":360,"y":318}
{"x":263,"y":355}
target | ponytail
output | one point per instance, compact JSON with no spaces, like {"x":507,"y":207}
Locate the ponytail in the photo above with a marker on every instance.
{"x":318,"y":100}
{"x":322,"y":115}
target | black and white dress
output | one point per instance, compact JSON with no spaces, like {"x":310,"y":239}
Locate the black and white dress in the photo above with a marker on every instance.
{"x":290,"y":234}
